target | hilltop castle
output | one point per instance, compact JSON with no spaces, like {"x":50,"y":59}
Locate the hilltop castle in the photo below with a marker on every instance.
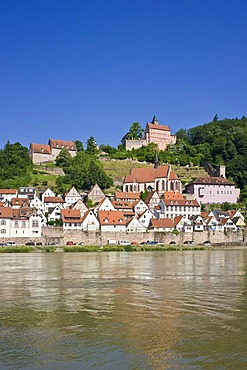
{"x":154,"y":133}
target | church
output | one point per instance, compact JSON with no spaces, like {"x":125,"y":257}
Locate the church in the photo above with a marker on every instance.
{"x":159,"y":178}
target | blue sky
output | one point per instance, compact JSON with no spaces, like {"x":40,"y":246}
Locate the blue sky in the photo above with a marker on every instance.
{"x":70,"y":69}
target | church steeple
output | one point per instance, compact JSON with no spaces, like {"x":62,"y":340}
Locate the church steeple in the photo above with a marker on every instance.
{"x":155,"y":121}
{"x":156,"y":162}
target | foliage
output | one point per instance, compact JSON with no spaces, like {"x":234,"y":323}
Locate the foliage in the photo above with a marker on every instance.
{"x":64,"y":158}
{"x":135,"y":132}
{"x":84,"y":171}
{"x":92,"y":147}
{"x":15,"y":166}
{"x":79,"y":146}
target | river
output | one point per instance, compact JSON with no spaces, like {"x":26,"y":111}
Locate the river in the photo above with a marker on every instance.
{"x":124,"y":310}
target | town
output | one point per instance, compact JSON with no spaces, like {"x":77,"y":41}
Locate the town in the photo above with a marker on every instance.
{"x":152,"y":206}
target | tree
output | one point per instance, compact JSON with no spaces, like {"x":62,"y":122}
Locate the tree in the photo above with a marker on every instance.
{"x":79,"y":146}
{"x":135,"y":132}
{"x":92,"y":147}
{"x":64,"y":158}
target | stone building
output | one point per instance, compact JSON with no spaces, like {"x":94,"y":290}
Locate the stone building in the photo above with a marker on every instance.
{"x":42,"y":153}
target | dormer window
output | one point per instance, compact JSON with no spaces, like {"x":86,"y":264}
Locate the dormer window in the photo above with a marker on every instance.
{"x":57,"y":145}
{"x":67,"y":146}
{"x":72,"y":147}
{"x":62,"y":146}
{"x":106,"y":220}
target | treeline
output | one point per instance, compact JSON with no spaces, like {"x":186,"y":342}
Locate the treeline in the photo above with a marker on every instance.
{"x":15,"y":166}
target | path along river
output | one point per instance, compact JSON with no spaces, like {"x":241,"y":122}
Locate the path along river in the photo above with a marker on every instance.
{"x":139,"y":310}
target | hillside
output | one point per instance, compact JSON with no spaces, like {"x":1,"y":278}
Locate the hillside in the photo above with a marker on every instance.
{"x":45,"y":176}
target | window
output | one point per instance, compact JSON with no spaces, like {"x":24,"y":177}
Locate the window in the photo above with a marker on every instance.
{"x":35,"y":223}
{"x":3,"y":222}
{"x":3,"y":231}
{"x":23,"y":224}
{"x":16,"y":224}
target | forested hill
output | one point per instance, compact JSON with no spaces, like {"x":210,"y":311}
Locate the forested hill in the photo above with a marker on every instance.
{"x":222,"y":142}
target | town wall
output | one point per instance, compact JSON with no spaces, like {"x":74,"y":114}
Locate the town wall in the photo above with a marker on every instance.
{"x":56,"y":235}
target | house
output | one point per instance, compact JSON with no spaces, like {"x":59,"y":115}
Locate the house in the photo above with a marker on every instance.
{"x":157,"y":178}
{"x":135,"y":226}
{"x":90,"y":222}
{"x":104,"y":205}
{"x":13,"y":224}
{"x":81,"y":206}
{"x":198,"y":222}
{"x":55,"y":213}
{"x":42,"y":153}
{"x":174,"y":204}
{"x":26,"y":192}
{"x":152,"y":200}
{"x":96,"y":194}
{"x":72,"y":196}
{"x":163,"y":224}
{"x":124,"y":206}
{"x":210,"y":190}
{"x":112,"y":221}
{"x":18,"y":202}
{"x":51,"y":202}
{"x":182,"y":223}
{"x":146,"y":217}
{"x":154,"y":133}
{"x":139,"y":207}
{"x":47,"y":193}
{"x":36,"y":203}
{"x":6,"y":195}
{"x":72,"y":219}
{"x":228,"y":224}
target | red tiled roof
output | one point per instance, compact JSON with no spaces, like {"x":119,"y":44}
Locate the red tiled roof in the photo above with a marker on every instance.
{"x":40,"y":148}
{"x":6,"y":212}
{"x":212,"y":181}
{"x":8,"y":191}
{"x":118,"y":204}
{"x":162,"y":223}
{"x":147,"y":174}
{"x":111,"y":218}
{"x":181,"y":202}
{"x":172,"y":195}
{"x":19,"y":201}
{"x":60,"y":144}
{"x":53,"y":200}
{"x":126,"y":195}
{"x":153,"y":126}
{"x":71,"y":215}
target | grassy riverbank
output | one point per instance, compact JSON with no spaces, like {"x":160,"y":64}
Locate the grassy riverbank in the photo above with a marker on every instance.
{"x":92,"y":248}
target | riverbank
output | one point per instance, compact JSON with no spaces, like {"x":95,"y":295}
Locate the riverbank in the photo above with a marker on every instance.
{"x":116,"y":248}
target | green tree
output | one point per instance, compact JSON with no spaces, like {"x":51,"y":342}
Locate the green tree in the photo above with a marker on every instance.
{"x":64,"y":158}
{"x":92,"y":147}
{"x":135,"y":132}
{"x":79,"y":146}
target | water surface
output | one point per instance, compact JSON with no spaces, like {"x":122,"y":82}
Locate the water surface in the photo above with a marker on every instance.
{"x":121,"y":310}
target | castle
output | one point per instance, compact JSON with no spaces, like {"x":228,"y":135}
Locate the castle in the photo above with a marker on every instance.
{"x":154,"y":133}
{"x":42,"y":153}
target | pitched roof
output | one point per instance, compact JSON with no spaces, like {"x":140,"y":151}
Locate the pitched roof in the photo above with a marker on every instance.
{"x":19,"y":201}
{"x":53,"y":200}
{"x":117,"y":204}
{"x":71,"y":215}
{"x":111,"y":218}
{"x":8,"y":191}
{"x":147,"y":174}
{"x":154,"y":126}
{"x":172,"y":195}
{"x":162,"y":223}
{"x":126,"y":195}
{"x":60,"y":144}
{"x":6,"y":212}
{"x":40,"y":148}
{"x":181,"y":202}
{"x":212,"y":181}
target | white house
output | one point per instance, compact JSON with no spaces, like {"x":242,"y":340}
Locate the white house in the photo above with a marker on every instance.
{"x":112,"y":221}
{"x":163,"y":224}
{"x":72,"y":196}
{"x":72,"y":219}
{"x":47,"y":193}
{"x":51,"y":202}
{"x":7,"y":195}
{"x":90,"y":222}
{"x":81,"y":206}
{"x":139,"y":207}
{"x":55,"y":213}
{"x":104,"y":205}
{"x":146,"y":217}
{"x":36,"y":203}
{"x":135,"y":226}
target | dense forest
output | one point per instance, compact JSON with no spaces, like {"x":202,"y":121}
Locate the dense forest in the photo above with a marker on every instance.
{"x":218,"y":142}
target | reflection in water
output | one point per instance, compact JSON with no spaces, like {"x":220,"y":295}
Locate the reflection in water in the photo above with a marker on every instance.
{"x":161,"y":310}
